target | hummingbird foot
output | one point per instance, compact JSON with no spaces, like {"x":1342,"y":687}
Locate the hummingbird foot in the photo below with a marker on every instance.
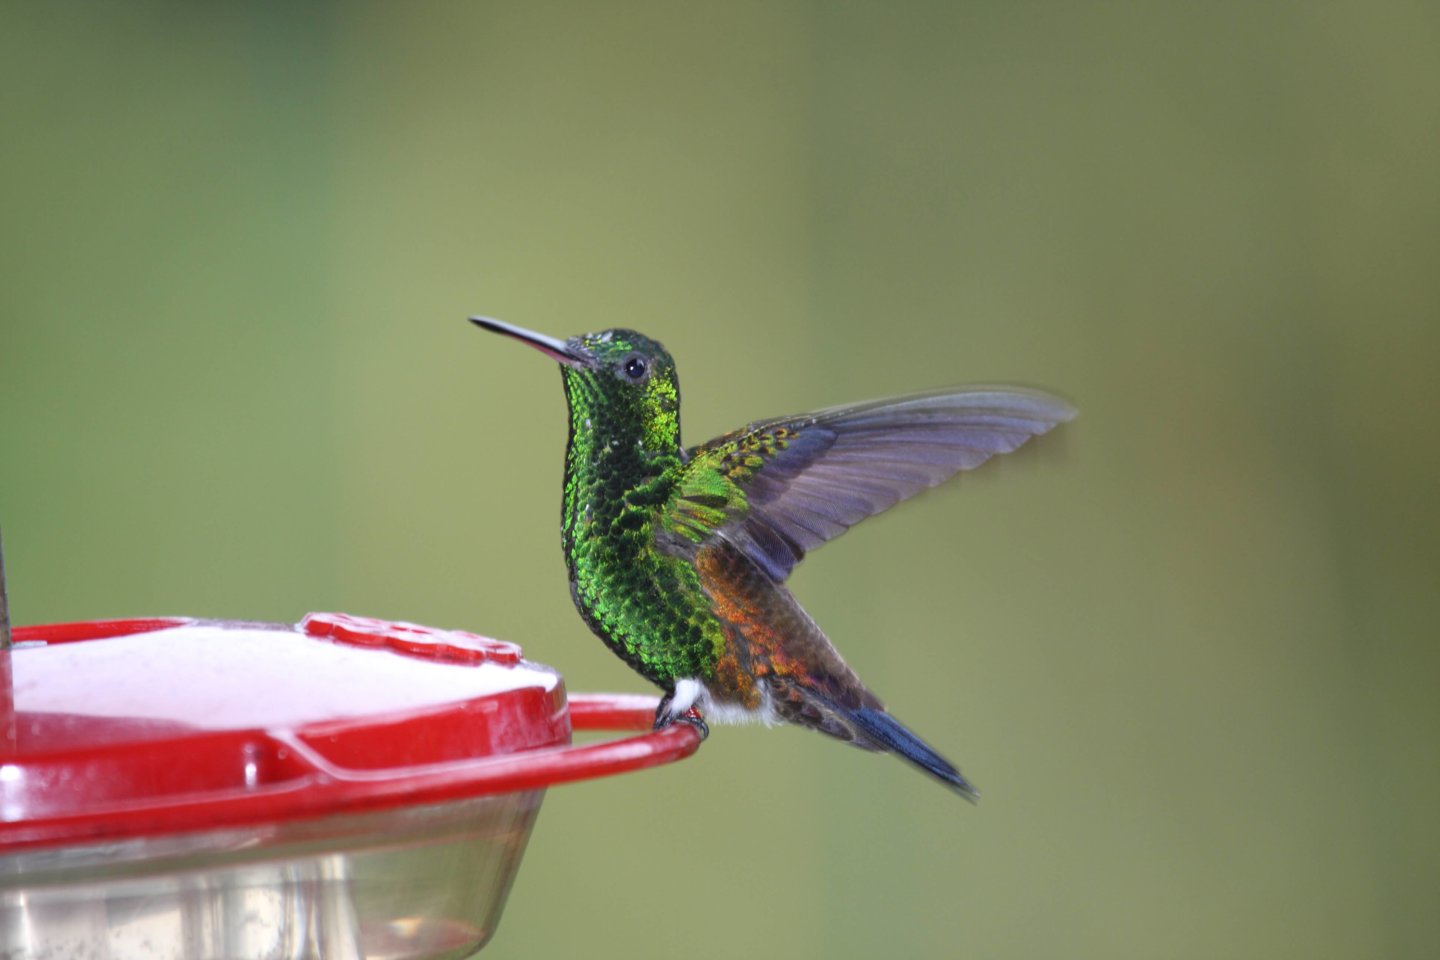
{"x":692,"y":718}
{"x":664,"y":717}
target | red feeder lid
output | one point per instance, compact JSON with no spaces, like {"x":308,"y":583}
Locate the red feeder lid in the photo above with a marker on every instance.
{"x":138,"y":727}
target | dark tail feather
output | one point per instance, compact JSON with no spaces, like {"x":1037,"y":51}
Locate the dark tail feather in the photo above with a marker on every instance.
{"x":890,"y":734}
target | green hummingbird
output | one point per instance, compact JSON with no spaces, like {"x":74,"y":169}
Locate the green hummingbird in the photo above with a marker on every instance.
{"x":678,"y":557}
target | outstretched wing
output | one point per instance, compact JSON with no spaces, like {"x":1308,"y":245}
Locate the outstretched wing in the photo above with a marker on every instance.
{"x":779,"y":488}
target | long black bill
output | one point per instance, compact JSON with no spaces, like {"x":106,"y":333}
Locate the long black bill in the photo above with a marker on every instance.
{"x":555,"y":349}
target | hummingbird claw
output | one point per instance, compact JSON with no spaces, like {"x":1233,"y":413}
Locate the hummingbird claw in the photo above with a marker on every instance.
{"x":691,"y":717}
{"x":662,"y":713}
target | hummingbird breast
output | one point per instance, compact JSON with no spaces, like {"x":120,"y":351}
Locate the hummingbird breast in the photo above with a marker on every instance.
{"x":646,"y":605}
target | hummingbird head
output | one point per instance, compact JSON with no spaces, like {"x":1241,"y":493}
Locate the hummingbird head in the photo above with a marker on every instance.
{"x":621,"y":385}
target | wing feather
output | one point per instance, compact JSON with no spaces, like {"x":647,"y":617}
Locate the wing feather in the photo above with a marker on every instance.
{"x":780,"y":488}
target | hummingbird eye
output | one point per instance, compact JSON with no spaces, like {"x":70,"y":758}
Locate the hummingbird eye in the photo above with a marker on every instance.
{"x":635,"y":367}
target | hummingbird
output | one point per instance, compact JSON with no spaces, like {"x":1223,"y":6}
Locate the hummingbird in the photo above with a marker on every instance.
{"x":678,"y":556}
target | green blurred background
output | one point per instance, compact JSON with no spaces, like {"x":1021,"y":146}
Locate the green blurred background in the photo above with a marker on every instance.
{"x":1187,"y":646}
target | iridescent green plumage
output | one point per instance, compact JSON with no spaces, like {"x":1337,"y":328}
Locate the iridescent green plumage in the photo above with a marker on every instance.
{"x":677,"y":558}
{"x":621,"y":464}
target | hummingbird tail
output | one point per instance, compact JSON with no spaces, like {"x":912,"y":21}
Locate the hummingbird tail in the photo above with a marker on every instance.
{"x":890,"y":734}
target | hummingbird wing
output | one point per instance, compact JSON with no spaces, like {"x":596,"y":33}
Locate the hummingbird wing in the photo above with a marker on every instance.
{"x":779,"y":488}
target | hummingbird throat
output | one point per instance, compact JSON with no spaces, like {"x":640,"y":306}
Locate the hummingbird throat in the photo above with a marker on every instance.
{"x":609,"y":415}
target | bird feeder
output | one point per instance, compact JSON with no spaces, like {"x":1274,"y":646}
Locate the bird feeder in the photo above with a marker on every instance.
{"x":341,"y":788}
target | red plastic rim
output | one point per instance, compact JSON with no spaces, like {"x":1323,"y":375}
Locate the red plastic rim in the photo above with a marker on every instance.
{"x":94,"y":629}
{"x":308,"y":782}
{"x":321,"y":790}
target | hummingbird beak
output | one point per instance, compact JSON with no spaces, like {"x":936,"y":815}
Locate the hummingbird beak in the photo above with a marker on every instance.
{"x":552,"y":348}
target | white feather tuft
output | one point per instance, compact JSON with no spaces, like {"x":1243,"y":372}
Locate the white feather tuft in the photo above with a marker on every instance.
{"x":687,"y":693}
{"x":692,"y":693}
